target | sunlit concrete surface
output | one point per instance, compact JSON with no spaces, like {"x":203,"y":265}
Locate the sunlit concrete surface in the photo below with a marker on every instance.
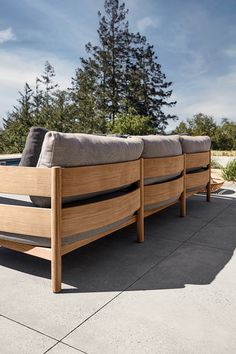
{"x":176,"y":293}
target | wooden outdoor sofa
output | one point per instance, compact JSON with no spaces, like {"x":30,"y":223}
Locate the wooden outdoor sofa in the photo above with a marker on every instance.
{"x":72,"y":206}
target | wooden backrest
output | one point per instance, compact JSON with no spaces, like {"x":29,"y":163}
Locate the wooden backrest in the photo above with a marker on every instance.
{"x":163,"y":166}
{"x":90,"y":179}
{"x":198,"y":159}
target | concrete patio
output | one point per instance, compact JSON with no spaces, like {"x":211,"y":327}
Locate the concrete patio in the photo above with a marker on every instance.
{"x":173,"y":294}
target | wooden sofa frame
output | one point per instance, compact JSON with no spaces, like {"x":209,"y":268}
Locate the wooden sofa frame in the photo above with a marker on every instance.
{"x":57,"y":222}
{"x":201,"y":178}
{"x":162,"y":191}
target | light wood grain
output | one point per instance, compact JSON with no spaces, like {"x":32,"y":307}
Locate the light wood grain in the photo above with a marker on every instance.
{"x":161,"y":192}
{"x":163,"y":166}
{"x":25,"y":180}
{"x":68,"y":248}
{"x":199,"y":159}
{"x":95,"y":215}
{"x":197,"y":179}
{"x":40,"y":252}
{"x":25,"y":220}
{"x":90,"y":179}
{"x":56,"y":228}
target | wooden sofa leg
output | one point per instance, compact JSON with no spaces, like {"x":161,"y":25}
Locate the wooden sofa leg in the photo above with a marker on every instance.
{"x":183,"y":204}
{"x":208,"y":196}
{"x":56,"y":272}
{"x":140,"y":226}
{"x":183,"y":195}
{"x":56,"y":202}
{"x":140,"y":214}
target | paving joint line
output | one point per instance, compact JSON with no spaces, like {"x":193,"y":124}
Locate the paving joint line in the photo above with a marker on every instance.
{"x":121,"y":292}
{"x":68,"y":345}
{"x":28,"y":327}
{"x":155,"y":265}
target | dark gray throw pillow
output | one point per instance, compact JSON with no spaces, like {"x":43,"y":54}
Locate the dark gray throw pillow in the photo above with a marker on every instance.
{"x":33,"y":145}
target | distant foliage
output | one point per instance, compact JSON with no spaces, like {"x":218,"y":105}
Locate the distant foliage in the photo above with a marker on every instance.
{"x":133,"y":124}
{"x":229,"y":172}
{"x":223,"y":135}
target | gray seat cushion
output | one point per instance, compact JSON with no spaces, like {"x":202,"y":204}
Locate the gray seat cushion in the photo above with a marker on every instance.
{"x":33,"y":147}
{"x":192,"y":144}
{"x":161,"y":146}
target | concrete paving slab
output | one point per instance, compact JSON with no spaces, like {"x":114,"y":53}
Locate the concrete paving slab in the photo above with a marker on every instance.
{"x":19,"y":339}
{"x":180,"y":318}
{"x":93,"y":275}
{"x":61,"y":348}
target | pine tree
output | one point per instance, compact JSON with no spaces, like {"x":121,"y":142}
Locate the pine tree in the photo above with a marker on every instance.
{"x":125,"y":72}
{"x":18,"y":122}
{"x":46,"y":96}
{"x":83,"y":94}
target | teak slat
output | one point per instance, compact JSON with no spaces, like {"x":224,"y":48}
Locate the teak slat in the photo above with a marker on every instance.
{"x":95,"y":215}
{"x":25,"y":180}
{"x":68,"y":248}
{"x":90,"y":179}
{"x":157,"y":193}
{"x":40,"y":252}
{"x":197,"y":179}
{"x":163,"y":166}
{"x":198,"y":159}
{"x":25,"y":220}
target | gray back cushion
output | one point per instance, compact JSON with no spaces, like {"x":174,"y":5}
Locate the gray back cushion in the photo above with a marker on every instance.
{"x":72,"y":150}
{"x":192,"y":144}
{"x":33,"y":147}
{"x":161,"y":146}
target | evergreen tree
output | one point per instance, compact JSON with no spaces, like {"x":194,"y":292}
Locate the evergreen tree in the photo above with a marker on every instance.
{"x":45,"y":97}
{"x":88,"y":118}
{"x":124,"y":72}
{"x":18,"y":122}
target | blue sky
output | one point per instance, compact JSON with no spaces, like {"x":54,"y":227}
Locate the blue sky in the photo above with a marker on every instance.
{"x":195,"y":42}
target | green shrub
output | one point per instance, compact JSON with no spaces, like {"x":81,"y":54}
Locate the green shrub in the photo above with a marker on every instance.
{"x":229,"y":172}
{"x":132,"y":124}
{"x":215,"y":164}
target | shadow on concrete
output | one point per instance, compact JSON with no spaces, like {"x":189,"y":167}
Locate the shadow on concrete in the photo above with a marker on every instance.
{"x":169,"y":257}
{"x":224,"y":191}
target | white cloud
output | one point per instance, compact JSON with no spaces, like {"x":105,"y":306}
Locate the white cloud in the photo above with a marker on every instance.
{"x":146,"y":22}
{"x":212,"y":96}
{"x":7,"y":35}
